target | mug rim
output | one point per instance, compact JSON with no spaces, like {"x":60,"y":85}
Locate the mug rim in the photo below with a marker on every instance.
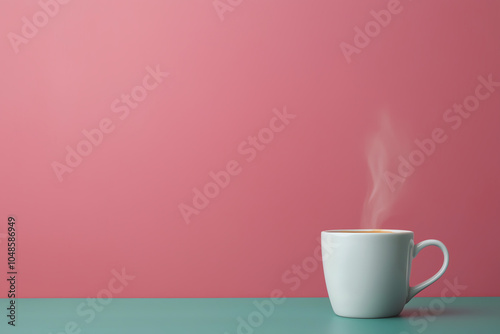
{"x":355,"y":231}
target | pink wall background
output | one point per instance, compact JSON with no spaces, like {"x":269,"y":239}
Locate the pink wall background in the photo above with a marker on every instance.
{"x":119,"y":207}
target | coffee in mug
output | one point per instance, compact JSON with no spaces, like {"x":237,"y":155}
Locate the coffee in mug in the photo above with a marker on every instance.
{"x":367,"y":272}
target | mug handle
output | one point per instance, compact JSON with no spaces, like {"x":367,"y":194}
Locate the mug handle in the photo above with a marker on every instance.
{"x":419,"y":287}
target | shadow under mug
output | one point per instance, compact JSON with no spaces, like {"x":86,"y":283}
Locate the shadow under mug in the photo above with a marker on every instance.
{"x":367,"y":272}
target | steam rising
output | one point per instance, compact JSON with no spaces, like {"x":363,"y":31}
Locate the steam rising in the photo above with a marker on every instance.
{"x":379,"y":201}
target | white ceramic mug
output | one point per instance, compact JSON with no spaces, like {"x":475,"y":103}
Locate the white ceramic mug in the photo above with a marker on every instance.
{"x":367,"y":272}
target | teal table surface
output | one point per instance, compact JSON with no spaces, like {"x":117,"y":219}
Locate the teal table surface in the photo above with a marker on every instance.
{"x":244,"y":316}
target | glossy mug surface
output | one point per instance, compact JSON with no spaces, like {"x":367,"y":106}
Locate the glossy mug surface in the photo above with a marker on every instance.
{"x":367,"y":272}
